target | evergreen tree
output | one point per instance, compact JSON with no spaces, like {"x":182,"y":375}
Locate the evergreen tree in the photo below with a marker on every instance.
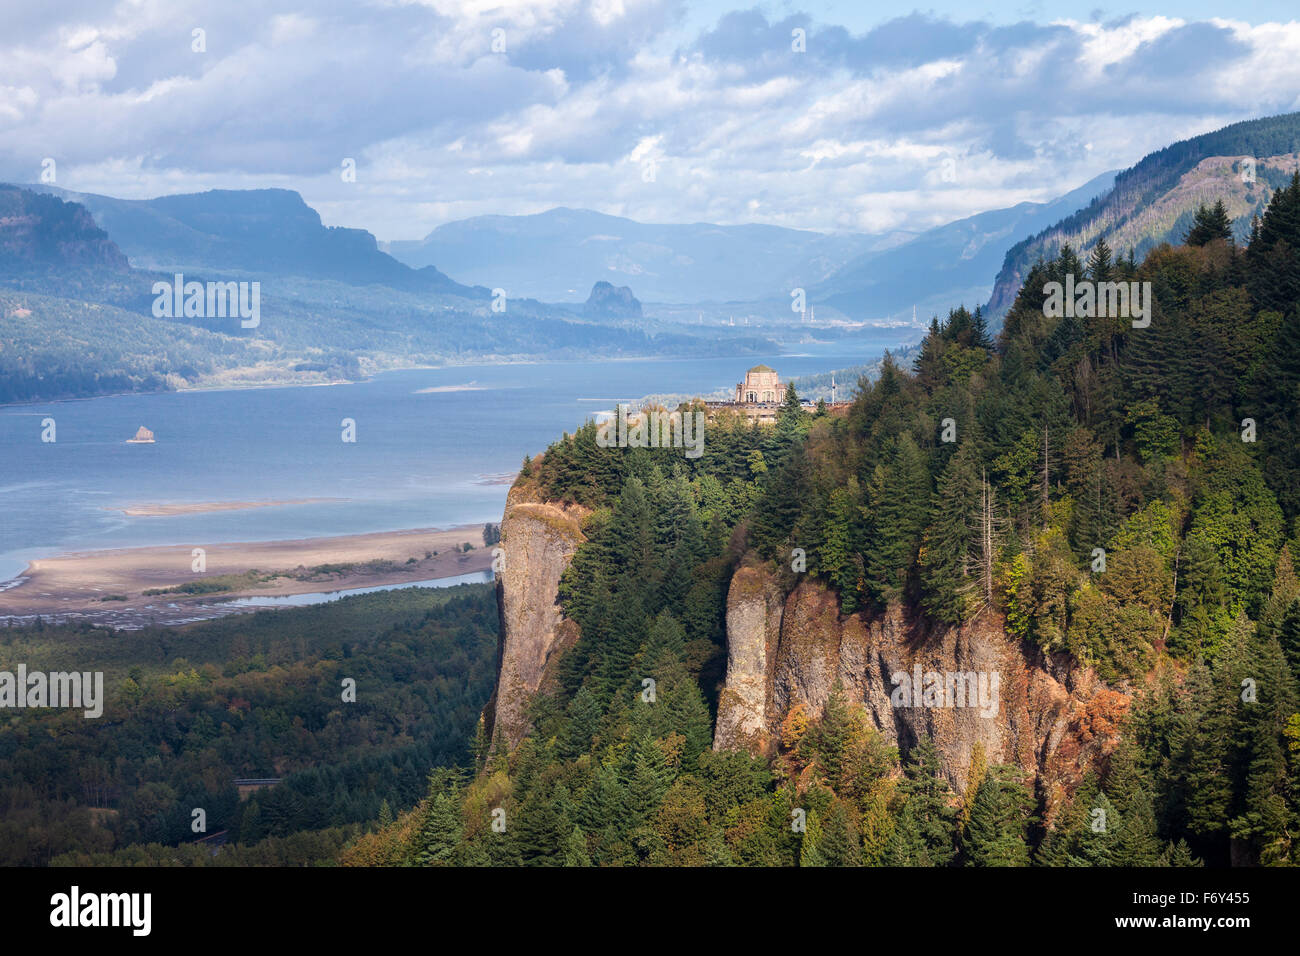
{"x":907,"y":845}
{"x":1136,"y":843}
{"x":1288,"y":636}
{"x":927,"y":826}
{"x":603,"y":809}
{"x":1209,"y":224}
{"x":1203,"y":750}
{"x":1265,"y":793}
{"x":575,"y":849}
{"x":899,"y":498}
{"x":979,"y":331}
{"x":1274,"y":252}
{"x":541,"y":831}
{"x":791,"y":413}
{"x":1067,"y":263}
{"x":1062,"y":845}
{"x":928,"y":364}
{"x":783,"y":501}
{"x":838,"y":557}
{"x":950,"y":552}
{"x":831,"y":738}
{"x":839,"y":844}
{"x":440,"y":832}
{"x":1099,"y":261}
{"x":999,"y":820}
{"x":1096,"y":843}
{"x":1178,"y":855}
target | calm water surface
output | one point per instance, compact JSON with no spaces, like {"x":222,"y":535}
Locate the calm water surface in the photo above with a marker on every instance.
{"x":421,"y":459}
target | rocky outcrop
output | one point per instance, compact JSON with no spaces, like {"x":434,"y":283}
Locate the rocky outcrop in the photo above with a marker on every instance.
{"x":1052,"y":718}
{"x":538,"y":540}
{"x":40,"y":233}
{"x":787,"y":648}
{"x":608,"y":302}
{"x":754,"y":609}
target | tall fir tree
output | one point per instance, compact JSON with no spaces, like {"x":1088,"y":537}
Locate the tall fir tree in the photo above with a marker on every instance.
{"x":999,"y":821}
{"x":1209,"y":224}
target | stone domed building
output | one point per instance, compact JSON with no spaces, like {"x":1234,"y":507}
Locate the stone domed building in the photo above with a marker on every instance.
{"x":761,"y":386}
{"x":761,"y":395}
{"x":758,"y":397}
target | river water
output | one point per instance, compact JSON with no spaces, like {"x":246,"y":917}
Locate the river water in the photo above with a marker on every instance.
{"x":433,"y":448}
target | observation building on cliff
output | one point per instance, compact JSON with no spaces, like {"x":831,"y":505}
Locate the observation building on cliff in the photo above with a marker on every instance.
{"x":762,"y":386}
{"x":760,"y":396}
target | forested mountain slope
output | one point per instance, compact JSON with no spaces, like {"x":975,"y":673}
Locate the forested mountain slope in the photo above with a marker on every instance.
{"x":1116,"y":506}
{"x":1154,"y":201}
{"x":189,"y":711}
{"x":40,"y":233}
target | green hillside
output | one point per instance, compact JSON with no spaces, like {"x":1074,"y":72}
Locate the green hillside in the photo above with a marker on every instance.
{"x":1155,"y":200}
{"x":191,"y":710}
{"x":1173,"y":447}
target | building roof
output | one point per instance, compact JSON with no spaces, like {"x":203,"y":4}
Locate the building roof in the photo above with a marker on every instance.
{"x":761,"y":368}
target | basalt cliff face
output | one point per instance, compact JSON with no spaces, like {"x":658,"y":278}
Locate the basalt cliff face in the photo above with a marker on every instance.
{"x":1048,"y":715}
{"x":40,"y":233}
{"x":538,"y":540}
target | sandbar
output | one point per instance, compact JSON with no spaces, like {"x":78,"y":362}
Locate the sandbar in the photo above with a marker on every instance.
{"x":164,"y":510}
{"x":78,"y":583}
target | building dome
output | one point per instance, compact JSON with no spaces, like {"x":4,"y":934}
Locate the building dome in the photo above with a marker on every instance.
{"x":762,"y":386}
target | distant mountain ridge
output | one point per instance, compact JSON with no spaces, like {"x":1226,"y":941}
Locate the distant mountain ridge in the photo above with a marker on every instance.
{"x":78,"y":319}
{"x":556,"y":255}
{"x":252,"y":231}
{"x":945,"y":265}
{"x":1154,"y":201}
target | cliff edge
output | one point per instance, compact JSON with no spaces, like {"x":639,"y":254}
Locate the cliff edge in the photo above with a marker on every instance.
{"x":538,"y":539}
{"x":1048,"y":715}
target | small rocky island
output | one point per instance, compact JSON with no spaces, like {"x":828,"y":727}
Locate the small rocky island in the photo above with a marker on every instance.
{"x":142,"y":437}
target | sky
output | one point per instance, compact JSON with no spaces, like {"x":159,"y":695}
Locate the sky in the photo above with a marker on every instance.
{"x":399,"y":115}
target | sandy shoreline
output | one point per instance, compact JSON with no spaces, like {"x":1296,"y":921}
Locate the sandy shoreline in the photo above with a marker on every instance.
{"x":77,"y":583}
{"x":201,"y":507}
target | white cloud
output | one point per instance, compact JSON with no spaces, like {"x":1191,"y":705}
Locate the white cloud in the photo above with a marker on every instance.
{"x":851,"y":135}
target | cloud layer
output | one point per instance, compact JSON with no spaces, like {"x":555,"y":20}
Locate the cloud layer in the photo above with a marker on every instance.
{"x":453,"y":108}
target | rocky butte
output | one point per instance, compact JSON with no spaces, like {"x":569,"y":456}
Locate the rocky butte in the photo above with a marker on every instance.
{"x":608,"y":302}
